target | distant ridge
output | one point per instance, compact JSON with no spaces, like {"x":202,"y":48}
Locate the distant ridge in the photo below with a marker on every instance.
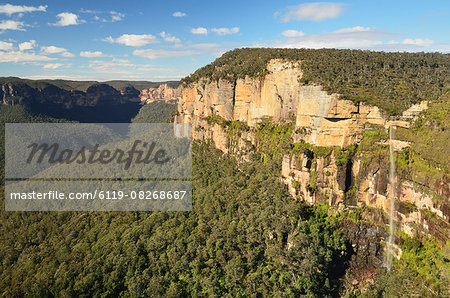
{"x":84,"y":85}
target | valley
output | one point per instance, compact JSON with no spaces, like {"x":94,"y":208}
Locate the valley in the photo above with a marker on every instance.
{"x":114,"y":101}
{"x":291,"y":187}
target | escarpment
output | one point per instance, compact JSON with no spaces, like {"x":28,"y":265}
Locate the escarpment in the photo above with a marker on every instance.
{"x":326,"y":120}
{"x":161,"y":93}
{"x":329,"y":149}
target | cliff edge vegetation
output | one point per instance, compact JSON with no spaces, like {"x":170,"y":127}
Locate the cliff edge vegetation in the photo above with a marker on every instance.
{"x":391,"y":81}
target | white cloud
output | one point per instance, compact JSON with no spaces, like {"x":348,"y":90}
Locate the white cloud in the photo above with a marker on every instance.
{"x":22,"y":57}
{"x":10,"y":9}
{"x":293,"y":33}
{"x":133,"y":40}
{"x":122,"y":66}
{"x":443,"y":48}
{"x":199,"y":30}
{"x":179,"y":14}
{"x":107,"y":76}
{"x":27,"y":45}
{"x":6,"y":46}
{"x":67,"y":54}
{"x":184,"y":50}
{"x":210,"y":49}
{"x":56,"y":50}
{"x":225,"y":31}
{"x":353,"y":29}
{"x":353,"y":38}
{"x":11,"y":25}
{"x":52,"y":50}
{"x":52,"y":65}
{"x":203,"y":46}
{"x":107,"y":16}
{"x":168,"y":78}
{"x":87,"y":54}
{"x":418,"y":42}
{"x":67,"y":19}
{"x":316,"y":11}
{"x":121,"y":61}
{"x":116,"y":65}
{"x":412,"y":41}
{"x":167,"y":37}
{"x":318,"y":42}
{"x":82,"y":10}
{"x":154,"y":54}
{"x":116,"y":16}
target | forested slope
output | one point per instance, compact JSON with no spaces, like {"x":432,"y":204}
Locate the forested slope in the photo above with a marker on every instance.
{"x":246,"y":236}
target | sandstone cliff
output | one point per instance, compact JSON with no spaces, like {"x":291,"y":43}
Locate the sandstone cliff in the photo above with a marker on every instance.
{"x":216,"y":108}
{"x":328,"y":120}
{"x":162,"y":93}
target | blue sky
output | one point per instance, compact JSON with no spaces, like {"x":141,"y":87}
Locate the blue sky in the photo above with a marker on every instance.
{"x":166,"y":40}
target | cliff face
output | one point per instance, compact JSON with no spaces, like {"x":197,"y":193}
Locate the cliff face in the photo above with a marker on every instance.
{"x":322,"y":120}
{"x":162,"y":93}
{"x":95,"y":95}
{"x":328,"y":121}
{"x":365,"y":183}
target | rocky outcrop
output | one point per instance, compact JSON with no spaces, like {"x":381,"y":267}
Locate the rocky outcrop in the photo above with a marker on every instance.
{"x":328,"y":120}
{"x":364,"y":183}
{"x":331,"y":121}
{"x":318,"y":181}
{"x":17,"y":94}
{"x":162,"y":93}
{"x":249,"y":100}
{"x":366,"y":254}
{"x":130,"y":93}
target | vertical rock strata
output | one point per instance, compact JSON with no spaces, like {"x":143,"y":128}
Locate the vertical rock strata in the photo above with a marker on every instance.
{"x":279,"y":96}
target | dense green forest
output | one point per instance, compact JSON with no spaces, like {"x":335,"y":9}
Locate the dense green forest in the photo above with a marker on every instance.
{"x":246,"y":236}
{"x":156,"y":112}
{"x":17,"y":114}
{"x":391,"y":81}
{"x":234,"y":241}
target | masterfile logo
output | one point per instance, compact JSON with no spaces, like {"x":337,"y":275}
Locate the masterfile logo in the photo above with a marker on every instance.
{"x":95,"y":155}
{"x":82,"y":150}
{"x":93,"y":167}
